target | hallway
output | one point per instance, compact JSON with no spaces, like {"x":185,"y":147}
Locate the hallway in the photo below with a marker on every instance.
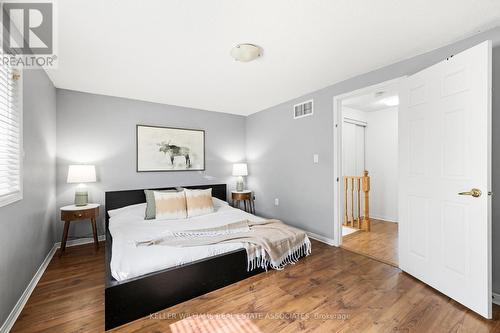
{"x":381,"y":243}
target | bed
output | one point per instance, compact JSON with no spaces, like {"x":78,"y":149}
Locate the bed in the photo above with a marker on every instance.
{"x":135,"y":292}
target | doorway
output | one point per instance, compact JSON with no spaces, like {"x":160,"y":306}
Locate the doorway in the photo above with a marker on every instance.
{"x":444,"y":176}
{"x":367,"y":125}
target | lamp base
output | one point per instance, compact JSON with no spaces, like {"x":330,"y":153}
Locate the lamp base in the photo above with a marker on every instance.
{"x":81,"y":198}
{"x":240,"y":186}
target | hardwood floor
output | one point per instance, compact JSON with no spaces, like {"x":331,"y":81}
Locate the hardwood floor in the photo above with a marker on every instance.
{"x":380,"y":243}
{"x":332,"y":290}
{"x":70,"y":295}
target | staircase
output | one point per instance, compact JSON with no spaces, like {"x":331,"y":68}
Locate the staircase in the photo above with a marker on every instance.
{"x":357,"y":195}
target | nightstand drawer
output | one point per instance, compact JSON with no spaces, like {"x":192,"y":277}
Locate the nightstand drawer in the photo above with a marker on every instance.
{"x":78,"y":215}
{"x":241,"y":196}
{"x":247,"y":198}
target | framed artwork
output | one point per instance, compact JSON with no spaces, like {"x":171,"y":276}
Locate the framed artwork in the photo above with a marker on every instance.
{"x":169,"y":149}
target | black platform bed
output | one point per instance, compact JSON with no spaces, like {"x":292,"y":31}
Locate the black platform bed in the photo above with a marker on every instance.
{"x":132,"y":299}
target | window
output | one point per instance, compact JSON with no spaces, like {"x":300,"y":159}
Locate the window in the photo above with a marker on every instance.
{"x":11,"y":188}
{"x":303,"y":109}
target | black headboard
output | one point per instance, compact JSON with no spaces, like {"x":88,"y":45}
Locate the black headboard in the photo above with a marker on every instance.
{"x":119,"y":199}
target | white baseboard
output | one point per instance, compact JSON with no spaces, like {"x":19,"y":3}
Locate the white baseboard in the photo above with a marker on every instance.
{"x":16,"y":311}
{"x":80,"y":241}
{"x":320,"y":238}
{"x":384,"y":218}
{"x":496,"y":298}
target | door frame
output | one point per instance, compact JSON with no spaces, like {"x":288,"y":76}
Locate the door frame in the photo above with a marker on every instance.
{"x":337,"y":150}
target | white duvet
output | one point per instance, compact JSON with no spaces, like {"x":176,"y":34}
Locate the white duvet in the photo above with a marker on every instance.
{"x":127,"y":226}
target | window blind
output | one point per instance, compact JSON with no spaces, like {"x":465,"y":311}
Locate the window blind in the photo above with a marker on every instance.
{"x":10,"y":137}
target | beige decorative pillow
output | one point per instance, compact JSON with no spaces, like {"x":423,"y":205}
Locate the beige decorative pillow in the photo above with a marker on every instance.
{"x":150,"y":203}
{"x":170,"y":205}
{"x":199,"y":202}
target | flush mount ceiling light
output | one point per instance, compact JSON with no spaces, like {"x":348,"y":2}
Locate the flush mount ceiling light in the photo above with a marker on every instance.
{"x":390,"y":101}
{"x":382,"y":98}
{"x":246,"y":52}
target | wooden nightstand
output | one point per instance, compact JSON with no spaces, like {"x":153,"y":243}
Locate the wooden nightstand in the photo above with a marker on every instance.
{"x":245,"y":196}
{"x":79,"y":213}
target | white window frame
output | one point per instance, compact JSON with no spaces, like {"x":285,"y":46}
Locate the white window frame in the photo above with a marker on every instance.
{"x":14,"y":197}
{"x":304,"y":115}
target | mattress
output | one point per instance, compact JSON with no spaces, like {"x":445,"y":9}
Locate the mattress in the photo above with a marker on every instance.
{"x":127,"y":226}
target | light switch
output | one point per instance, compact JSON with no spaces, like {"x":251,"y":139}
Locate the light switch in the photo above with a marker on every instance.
{"x":276,"y":201}
{"x":316,"y":158}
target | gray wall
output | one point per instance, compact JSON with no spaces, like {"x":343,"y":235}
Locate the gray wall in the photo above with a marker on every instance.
{"x":28,"y":225}
{"x":280,"y":149}
{"x":100,"y":130}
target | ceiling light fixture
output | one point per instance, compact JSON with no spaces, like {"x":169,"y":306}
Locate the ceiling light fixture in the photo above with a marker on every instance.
{"x":246,"y":52}
{"x":390,"y":101}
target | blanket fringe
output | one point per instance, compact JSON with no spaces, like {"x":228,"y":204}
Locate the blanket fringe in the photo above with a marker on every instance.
{"x":261,"y":260}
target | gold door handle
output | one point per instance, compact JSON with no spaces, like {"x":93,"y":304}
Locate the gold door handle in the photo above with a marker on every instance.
{"x":475,"y":192}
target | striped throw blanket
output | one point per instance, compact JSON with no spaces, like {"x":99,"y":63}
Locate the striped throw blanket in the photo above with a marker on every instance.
{"x":269,"y":243}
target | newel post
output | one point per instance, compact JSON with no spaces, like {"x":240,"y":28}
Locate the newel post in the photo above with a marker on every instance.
{"x":366,"y":205}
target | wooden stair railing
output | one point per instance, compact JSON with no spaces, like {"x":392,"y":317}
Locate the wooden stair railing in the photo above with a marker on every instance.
{"x":353,"y":186}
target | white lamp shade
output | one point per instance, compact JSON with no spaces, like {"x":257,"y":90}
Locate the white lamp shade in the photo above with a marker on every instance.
{"x":81,"y":174}
{"x":240,"y":169}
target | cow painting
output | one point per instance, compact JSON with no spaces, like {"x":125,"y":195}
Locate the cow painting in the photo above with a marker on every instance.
{"x":174,"y":151}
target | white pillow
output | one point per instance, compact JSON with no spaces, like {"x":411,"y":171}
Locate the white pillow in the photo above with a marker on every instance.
{"x":127,"y":209}
{"x":170,"y":205}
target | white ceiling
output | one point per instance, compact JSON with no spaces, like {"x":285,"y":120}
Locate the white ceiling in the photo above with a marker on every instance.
{"x":178,"y":51}
{"x":375,"y":100}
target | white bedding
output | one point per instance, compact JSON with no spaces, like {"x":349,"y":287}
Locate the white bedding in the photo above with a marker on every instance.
{"x":127,"y":225}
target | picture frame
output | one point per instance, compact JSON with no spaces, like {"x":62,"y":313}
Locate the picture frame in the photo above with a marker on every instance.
{"x":160,"y":149}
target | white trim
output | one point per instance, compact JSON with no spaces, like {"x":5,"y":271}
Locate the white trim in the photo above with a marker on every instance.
{"x":13,"y":197}
{"x":80,"y":241}
{"x":495,"y":298}
{"x":16,"y":311}
{"x":304,"y":115}
{"x":20,"y":82}
{"x":355,"y":121}
{"x":490,"y":170}
{"x":384,"y":218}
{"x":17,"y":196}
{"x":320,"y":238}
{"x":337,"y":151}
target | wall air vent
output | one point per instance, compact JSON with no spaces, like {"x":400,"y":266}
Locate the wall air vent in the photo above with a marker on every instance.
{"x":303,"y":109}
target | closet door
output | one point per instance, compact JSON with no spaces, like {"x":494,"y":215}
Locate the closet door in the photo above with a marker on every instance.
{"x":360,"y":150}
{"x":353,"y":155}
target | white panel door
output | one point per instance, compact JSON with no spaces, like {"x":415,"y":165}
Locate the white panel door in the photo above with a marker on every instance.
{"x":445,"y":149}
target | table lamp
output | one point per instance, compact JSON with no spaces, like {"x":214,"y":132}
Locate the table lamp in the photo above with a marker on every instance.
{"x":81,"y":174}
{"x":240,"y":170}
